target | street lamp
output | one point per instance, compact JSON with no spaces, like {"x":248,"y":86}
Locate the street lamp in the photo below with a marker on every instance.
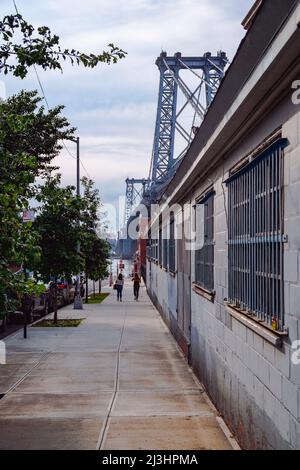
{"x":77,"y":300}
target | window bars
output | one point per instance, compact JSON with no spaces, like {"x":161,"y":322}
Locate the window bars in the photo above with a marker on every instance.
{"x":165,"y":253}
{"x":148,"y":247}
{"x":160,"y":241}
{"x":172,"y":266}
{"x":204,"y":258}
{"x":154,"y":249}
{"x":256,"y":237}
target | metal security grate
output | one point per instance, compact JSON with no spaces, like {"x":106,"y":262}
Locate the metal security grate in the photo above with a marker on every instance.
{"x":148,"y":247}
{"x":204,"y":258}
{"x":160,"y":242}
{"x":165,"y":253}
{"x":172,"y":266}
{"x":256,"y":237}
{"x":153,"y":248}
{"x":156,"y":250}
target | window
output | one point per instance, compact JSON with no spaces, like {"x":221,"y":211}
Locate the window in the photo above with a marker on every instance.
{"x":204,"y":257}
{"x":165,"y":248}
{"x":172,"y":266}
{"x":154,"y":249}
{"x":148,"y":247}
{"x":256,"y":237}
{"x":160,"y":241}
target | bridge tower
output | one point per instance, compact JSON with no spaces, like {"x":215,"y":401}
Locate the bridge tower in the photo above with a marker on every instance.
{"x":210,"y":71}
{"x":135,"y":191}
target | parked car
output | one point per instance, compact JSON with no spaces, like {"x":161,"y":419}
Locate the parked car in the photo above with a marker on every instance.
{"x":33,"y":306}
{"x":37,"y":306}
{"x":66,"y":291}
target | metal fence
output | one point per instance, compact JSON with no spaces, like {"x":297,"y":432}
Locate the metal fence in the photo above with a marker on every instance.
{"x":256,"y":237}
{"x":204,"y":258}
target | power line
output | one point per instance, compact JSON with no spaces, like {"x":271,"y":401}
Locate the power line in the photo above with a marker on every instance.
{"x":15,"y":7}
{"x":36,"y":73}
{"x":84,"y":168}
{"x":41,"y":86}
{"x":73,"y":156}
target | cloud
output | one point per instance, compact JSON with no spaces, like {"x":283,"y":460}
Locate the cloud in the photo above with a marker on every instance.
{"x":114,"y":107}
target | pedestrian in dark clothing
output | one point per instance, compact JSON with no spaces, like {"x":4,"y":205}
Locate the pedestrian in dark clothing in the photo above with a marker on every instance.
{"x":119,"y":286}
{"x":136,"y":286}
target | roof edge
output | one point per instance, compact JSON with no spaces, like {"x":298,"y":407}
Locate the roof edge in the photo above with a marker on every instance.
{"x":251,"y":15}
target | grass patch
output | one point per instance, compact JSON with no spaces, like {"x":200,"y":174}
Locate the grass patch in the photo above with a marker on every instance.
{"x":63,"y":323}
{"x":97,"y":298}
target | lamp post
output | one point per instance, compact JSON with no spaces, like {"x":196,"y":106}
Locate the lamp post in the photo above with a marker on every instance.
{"x":77,"y":300}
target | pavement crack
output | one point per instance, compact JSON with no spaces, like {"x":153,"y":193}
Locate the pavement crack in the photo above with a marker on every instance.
{"x":104,"y":427}
{"x":15,"y":385}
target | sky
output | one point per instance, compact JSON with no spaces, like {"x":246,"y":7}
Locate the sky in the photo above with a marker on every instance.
{"x":114,"y":107}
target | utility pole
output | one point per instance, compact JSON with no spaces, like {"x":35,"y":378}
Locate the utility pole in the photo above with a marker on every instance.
{"x":78,"y":300}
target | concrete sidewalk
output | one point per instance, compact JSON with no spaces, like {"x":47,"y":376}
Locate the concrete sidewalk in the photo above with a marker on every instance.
{"x":115,"y":382}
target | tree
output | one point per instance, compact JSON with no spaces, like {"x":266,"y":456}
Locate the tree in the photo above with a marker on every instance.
{"x":29,"y":139}
{"x":57,"y":223}
{"x":94,"y":249}
{"x":27,"y":130}
{"x":96,"y":259}
{"x":63,"y":220}
{"x":40,"y":47}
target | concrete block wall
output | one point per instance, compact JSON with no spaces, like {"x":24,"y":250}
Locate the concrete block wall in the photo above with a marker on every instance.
{"x":262,"y":396}
{"x":254,"y":385}
{"x":162,"y":288}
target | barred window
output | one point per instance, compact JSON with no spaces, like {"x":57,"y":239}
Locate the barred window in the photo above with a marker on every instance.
{"x":148,"y":247}
{"x":256,"y":237}
{"x":154,"y":248}
{"x":172,"y":266}
{"x":204,"y":257}
{"x":160,"y":241}
{"x":165,"y":248}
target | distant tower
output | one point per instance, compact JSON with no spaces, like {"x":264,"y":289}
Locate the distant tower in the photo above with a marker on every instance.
{"x":135,"y":190}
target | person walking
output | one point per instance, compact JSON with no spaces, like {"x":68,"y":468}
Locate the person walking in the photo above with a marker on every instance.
{"x":119,"y":286}
{"x":136,"y":286}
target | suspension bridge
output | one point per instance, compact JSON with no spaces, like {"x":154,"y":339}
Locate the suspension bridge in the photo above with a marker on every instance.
{"x":187,"y":87}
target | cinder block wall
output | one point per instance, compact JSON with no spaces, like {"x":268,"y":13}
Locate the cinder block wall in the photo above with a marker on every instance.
{"x":254,"y":385}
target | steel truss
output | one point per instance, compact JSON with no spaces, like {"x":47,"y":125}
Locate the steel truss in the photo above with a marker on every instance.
{"x":209,"y":70}
{"x":135,"y":191}
{"x":167,"y":123}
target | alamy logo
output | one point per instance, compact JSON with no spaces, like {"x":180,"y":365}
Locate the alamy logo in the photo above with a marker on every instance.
{"x":2,"y":352}
{"x":296,"y":94}
{"x":296,"y":353}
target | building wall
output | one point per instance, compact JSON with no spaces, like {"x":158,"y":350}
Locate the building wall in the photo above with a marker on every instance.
{"x":162,"y":288}
{"x":254,"y":385}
